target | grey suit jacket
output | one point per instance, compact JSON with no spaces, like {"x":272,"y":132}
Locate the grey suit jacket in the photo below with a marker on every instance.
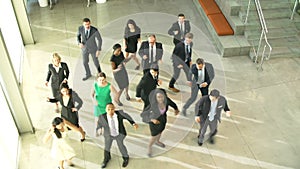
{"x":203,"y":106}
{"x":93,"y":42}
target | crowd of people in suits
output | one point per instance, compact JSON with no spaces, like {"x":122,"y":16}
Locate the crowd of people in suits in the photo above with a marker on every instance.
{"x":108,"y":120}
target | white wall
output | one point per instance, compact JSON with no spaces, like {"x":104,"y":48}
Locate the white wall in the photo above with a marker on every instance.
{"x":9,"y":136}
{"x":11,"y":34}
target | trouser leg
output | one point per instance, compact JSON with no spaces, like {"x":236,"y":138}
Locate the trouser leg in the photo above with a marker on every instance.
{"x":176,"y":73}
{"x":85,"y":56}
{"x":108,"y":143}
{"x":120,"y":142}
{"x":194,"y":94}
{"x":202,"y":131}
{"x":96,"y":62}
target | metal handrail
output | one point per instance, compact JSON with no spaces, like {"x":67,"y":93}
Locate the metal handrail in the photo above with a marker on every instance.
{"x":297,"y":2}
{"x":263,"y":34}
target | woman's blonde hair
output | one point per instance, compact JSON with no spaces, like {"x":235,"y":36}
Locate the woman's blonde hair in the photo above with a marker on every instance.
{"x":56,"y":55}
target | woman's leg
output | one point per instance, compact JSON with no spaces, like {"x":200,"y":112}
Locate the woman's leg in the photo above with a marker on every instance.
{"x":159,"y":143}
{"x":75,"y":128}
{"x":151,"y":142}
{"x":61,"y":164}
{"x":126,"y":93}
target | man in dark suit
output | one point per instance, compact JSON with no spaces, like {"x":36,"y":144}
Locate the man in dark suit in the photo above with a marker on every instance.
{"x":90,"y":42}
{"x":208,"y":113}
{"x":179,"y":29}
{"x":151,"y":52}
{"x":182,"y":59}
{"x":112,"y":123}
{"x":200,"y":76}
{"x":148,"y":83}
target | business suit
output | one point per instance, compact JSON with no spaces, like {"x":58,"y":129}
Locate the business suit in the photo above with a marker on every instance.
{"x":179,"y":37}
{"x":57,"y":77}
{"x":202,"y":109}
{"x":92,"y":43}
{"x":180,"y":56}
{"x":103,"y":122}
{"x":193,"y":76}
{"x":157,"y":55}
{"x":145,"y":86}
{"x":66,"y":108}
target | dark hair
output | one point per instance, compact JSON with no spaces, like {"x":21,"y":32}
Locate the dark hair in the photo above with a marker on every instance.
{"x":214,"y":93}
{"x":152,"y":97}
{"x":64,"y":85}
{"x":181,"y":15}
{"x":200,"y":61}
{"x":189,"y":35}
{"x":86,"y":20}
{"x":154,"y":67}
{"x":56,"y":121}
{"x":152,"y":35}
{"x":101,"y":74}
{"x":110,"y":103}
{"x":127,"y":30}
{"x":116,"y":46}
{"x":131,"y":21}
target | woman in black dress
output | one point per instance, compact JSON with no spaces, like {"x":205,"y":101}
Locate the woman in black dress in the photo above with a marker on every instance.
{"x":159,"y":104}
{"x":69,"y":111}
{"x":59,"y":73}
{"x":119,"y":71}
{"x":132,"y":36}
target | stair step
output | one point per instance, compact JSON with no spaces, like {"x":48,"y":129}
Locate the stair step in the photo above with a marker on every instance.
{"x":273,"y":33}
{"x":272,"y":23}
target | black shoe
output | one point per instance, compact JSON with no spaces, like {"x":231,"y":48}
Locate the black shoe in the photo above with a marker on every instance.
{"x":86,"y":78}
{"x":211,"y":140}
{"x":104,"y":164}
{"x":200,"y":144}
{"x":125,"y":163}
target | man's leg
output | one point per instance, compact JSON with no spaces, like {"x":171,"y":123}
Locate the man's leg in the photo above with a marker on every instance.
{"x":202,"y":131}
{"x":85,"y":56}
{"x":194,"y":94}
{"x":176,"y":73}
{"x":96,"y":62}
{"x":213,"y":130}
{"x":123,"y":150}
{"x":108,"y":142}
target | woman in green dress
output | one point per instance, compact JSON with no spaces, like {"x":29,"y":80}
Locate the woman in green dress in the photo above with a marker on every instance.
{"x":101,"y":95}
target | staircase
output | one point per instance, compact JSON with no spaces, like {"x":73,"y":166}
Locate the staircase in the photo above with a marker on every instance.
{"x":283,"y":33}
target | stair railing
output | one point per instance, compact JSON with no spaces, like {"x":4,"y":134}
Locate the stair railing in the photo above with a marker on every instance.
{"x":297,"y":2}
{"x":263,"y":35}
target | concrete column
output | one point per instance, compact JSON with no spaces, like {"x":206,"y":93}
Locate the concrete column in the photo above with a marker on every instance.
{"x":12,"y":91}
{"x":23,"y":22}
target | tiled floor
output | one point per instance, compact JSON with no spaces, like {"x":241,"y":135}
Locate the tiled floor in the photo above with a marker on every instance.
{"x":263,"y":131}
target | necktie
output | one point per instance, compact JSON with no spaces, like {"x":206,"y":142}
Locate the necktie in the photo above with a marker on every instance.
{"x":151,"y":54}
{"x":87,"y":34}
{"x":113,"y":128}
{"x":181,"y":31}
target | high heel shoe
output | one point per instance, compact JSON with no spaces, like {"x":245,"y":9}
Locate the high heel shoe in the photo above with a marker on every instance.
{"x":82,"y":140}
{"x":128,"y":97}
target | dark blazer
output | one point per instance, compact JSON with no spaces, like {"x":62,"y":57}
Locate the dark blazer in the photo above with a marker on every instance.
{"x":144,"y":50}
{"x":203,"y":106}
{"x":66,"y":110}
{"x":57,"y":77}
{"x":175,"y":27}
{"x":209,"y":73}
{"x":179,"y":55}
{"x":90,"y":42}
{"x":145,"y":86}
{"x":102,"y":122}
